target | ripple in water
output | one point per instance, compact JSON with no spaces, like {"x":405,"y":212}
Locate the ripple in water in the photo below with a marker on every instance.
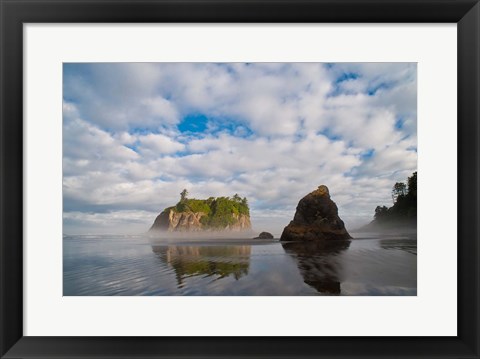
{"x":133,"y":265}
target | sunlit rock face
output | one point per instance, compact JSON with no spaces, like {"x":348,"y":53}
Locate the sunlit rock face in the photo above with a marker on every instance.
{"x":172,"y":221}
{"x":316,"y":218}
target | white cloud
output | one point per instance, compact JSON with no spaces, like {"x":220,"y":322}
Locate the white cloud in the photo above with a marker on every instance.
{"x":162,"y":109}
{"x":87,"y":147}
{"x":276,"y":132}
{"x":159,"y":144}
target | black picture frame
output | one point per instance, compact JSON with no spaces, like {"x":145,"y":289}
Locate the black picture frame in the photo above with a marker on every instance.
{"x":14,"y":13}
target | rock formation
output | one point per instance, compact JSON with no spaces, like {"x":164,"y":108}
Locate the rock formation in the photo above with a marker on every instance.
{"x":214,"y":214}
{"x":316,"y":218}
{"x":264,"y":235}
{"x":170,"y":220}
{"x":173,"y":221}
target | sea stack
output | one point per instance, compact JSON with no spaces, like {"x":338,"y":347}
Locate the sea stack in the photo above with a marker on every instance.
{"x":316,"y":218}
{"x":212,"y":215}
{"x":172,"y":221}
{"x":264,"y":235}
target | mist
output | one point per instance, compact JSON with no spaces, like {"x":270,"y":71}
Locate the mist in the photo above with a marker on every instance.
{"x":136,"y":225}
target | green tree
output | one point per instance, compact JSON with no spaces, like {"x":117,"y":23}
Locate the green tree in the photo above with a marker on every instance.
{"x":399,"y":190}
{"x":183,"y":195}
{"x":219,"y":212}
{"x":404,"y":209}
{"x":412,"y":185}
{"x":380,"y":212}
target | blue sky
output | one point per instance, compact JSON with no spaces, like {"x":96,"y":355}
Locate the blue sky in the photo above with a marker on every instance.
{"x":136,"y":134}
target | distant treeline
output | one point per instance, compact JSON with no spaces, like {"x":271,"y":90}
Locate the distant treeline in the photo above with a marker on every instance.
{"x":404,"y":209}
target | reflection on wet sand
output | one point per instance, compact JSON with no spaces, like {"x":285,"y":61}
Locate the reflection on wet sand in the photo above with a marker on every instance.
{"x":318,"y":265}
{"x":404,"y":244}
{"x":372,"y":265}
{"x":220,"y":261}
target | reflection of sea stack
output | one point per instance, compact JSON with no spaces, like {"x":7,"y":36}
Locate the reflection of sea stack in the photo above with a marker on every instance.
{"x":316,"y":218}
{"x":221,"y":261}
{"x":322,"y":271}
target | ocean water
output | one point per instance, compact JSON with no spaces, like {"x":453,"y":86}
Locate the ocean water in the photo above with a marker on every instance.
{"x":371,"y":264}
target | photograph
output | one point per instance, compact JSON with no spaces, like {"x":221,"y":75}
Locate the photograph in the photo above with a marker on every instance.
{"x":239,"y":179}
{"x":203,"y":179}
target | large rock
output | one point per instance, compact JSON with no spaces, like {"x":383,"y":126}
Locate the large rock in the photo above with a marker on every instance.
{"x":316,"y":218}
{"x":172,"y":221}
{"x":264,"y":235}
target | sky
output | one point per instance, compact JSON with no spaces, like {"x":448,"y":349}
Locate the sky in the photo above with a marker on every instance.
{"x":136,"y":134}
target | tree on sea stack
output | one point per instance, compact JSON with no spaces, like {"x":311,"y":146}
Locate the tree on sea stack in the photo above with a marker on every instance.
{"x":211,"y":214}
{"x":316,"y":218}
{"x":183,"y":195}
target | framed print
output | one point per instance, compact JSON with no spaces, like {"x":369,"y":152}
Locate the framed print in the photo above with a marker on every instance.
{"x":204,"y":239}
{"x":239,"y":179}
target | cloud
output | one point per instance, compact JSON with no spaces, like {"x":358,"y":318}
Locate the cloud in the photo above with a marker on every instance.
{"x":162,"y":109}
{"x":135,"y":135}
{"x":118,"y":96}
{"x":159,"y":144}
